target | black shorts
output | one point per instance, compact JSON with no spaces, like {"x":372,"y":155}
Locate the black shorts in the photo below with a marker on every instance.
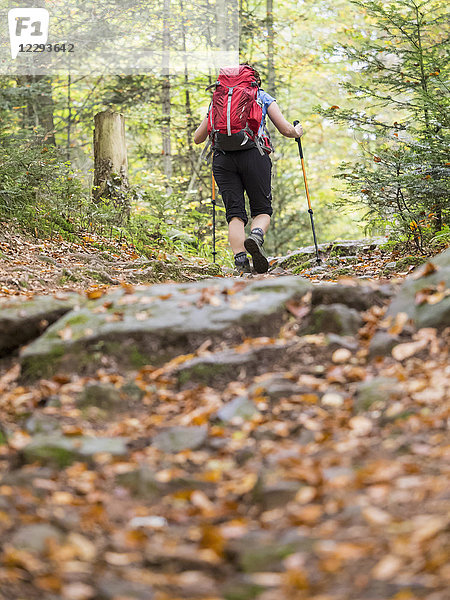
{"x":242,"y":170}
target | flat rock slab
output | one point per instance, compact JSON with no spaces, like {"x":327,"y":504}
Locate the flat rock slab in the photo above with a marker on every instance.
{"x":333,"y":318}
{"x":35,"y":537}
{"x":58,"y":450}
{"x":180,"y":438}
{"x":143,"y":483}
{"x":420,"y":297}
{"x":339,"y":247}
{"x":155,"y":323}
{"x":22,"y":320}
{"x":240,"y":407}
{"x":219,"y":368}
{"x":359,"y":296}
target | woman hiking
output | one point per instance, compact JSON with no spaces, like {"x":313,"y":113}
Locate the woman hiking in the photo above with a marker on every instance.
{"x":241,"y":157}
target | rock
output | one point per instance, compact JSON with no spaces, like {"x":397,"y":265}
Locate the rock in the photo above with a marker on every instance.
{"x":241,"y":407}
{"x":219,"y":368}
{"x":62,"y":451}
{"x":180,"y":438}
{"x":333,"y":318}
{"x":155,"y":323}
{"x":376,"y":390}
{"x":338,"y":248}
{"x":259,"y":551}
{"x":276,"y":495}
{"x":241,"y":588}
{"x":276,"y":387}
{"x":40,"y":423}
{"x":337,"y":341}
{"x":360,"y":297}
{"x":110,"y":587}
{"x":102,"y":395}
{"x":24,"y":477}
{"x":53,"y":400}
{"x":382,"y":343}
{"x":132,"y":391}
{"x":208,"y":369}
{"x":141,"y":482}
{"x":35,"y":537}
{"x":425,"y":314}
{"x":180,"y":558}
{"x":24,"y":320}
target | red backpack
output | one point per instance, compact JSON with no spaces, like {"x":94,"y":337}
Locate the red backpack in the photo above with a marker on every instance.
{"x":235,"y":112}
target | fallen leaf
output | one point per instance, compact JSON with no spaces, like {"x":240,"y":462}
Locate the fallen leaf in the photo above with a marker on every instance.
{"x":387,"y":567}
{"x":402,"y":351}
{"x":425,"y":270}
{"x":376,"y":516}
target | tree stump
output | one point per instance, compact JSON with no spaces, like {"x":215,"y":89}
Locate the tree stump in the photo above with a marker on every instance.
{"x":110,"y":161}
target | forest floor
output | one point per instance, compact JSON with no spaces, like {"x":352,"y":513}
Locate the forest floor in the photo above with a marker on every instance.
{"x":318,"y":487}
{"x":30,"y":266}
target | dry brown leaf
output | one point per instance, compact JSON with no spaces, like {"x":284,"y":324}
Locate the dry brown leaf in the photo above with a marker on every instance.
{"x":387,"y":567}
{"x":402,"y":351}
{"x":296,"y":309}
{"x":94,"y":294}
{"x":341,"y":355}
{"x":425,"y":270}
{"x":399,"y":323}
{"x":78,"y":591}
{"x":361,"y":425}
{"x":427,"y":526}
{"x":376,"y":516}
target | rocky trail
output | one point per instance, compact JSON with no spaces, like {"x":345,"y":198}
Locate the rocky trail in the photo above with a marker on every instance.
{"x":280,"y":437}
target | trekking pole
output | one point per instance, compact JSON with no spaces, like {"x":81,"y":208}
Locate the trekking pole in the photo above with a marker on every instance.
{"x":214,"y":216}
{"x":310,"y":210}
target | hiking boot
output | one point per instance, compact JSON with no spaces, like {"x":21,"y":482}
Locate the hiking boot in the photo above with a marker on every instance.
{"x":253,"y":244}
{"x":242,"y":264}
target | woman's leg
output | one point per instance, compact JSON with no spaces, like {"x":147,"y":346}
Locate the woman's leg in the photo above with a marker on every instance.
{"x":236,"y":235}
{"x":231,"y":189}
{"x":261,"y":221}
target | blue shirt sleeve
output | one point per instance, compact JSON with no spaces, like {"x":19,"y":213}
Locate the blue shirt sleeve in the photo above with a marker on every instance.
{"x":266,"y":100}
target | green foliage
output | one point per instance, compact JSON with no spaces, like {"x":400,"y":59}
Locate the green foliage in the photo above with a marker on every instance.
{"x":401,"y":118}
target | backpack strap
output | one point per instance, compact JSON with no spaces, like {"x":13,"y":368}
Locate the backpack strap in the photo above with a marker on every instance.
{"x":258,"y":145}
{"x":230,"y":93}
{"x":255,"y":138}
{"x":205,"y":156}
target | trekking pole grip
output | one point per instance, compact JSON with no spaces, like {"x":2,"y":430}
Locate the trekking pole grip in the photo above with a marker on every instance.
{"x":299,"y":142}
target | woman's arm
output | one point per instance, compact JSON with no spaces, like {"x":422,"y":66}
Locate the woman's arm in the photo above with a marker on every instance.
{"x":201,"y":132}
{"x":283,"y":126}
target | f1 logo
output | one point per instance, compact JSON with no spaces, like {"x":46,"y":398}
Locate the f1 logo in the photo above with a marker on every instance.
{"x":27,"y":26}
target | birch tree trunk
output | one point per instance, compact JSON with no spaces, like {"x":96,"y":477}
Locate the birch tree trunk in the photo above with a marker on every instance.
{"x":110,"y":161}
{"x":165,"y":99}
{"x":189,"y":117}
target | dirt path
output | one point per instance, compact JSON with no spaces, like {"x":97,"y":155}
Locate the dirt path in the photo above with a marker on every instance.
{"x":314,"y":472}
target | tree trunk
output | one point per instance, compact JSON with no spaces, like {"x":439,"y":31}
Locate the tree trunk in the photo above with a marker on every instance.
{"x":110,"y":161}
{"x":221,"y":25}
{"x":165,"y":99}
{"x":270,"y":88}
{"x":189,"y":117}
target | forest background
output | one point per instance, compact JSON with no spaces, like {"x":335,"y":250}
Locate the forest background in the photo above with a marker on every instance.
{"x":366,"y":79}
